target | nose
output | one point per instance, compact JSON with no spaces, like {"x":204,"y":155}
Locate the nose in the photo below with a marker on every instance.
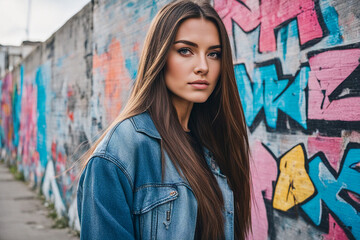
{"x":201,"y":66}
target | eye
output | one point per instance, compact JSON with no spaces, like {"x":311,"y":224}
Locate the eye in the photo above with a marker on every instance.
{"x":184,"y":51}
{"x":215,"y":55}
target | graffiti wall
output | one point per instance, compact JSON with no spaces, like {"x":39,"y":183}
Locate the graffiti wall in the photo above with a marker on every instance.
{"x":298,"y":74}
{"x":45,"y":105}
{"x":118,"y":40}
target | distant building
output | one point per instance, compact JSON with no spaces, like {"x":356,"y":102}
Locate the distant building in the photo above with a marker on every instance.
{"x":10,"y":56}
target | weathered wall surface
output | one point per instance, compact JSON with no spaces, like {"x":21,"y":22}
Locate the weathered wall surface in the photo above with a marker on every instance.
{"x":119,"y":31}
{"x":297,"y":69}
{"x":45,"y":105}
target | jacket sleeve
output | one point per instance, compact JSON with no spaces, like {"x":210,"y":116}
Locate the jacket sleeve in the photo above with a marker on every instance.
{"x":105,"y":202}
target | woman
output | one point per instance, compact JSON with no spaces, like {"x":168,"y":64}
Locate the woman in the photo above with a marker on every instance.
{"x":158,"y":172}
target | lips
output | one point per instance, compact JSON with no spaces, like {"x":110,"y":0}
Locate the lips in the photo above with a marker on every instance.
{"x":199,"y":84}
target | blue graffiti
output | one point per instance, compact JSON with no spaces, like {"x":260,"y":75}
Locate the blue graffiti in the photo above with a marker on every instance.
{"x":245,"y":44}
{"x":289,"y":42}
{"x":272,"y":91}
{"x":154,"y":9}
{"x":110,"y":3}
{"x":333,"y":191}
{"x":331,"y":19}
{"x":130,"y":64}
{"x":42,"y":77}
{"x":17,"y":107}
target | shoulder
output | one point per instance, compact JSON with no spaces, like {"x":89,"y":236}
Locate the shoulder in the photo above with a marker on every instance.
{"x":128,"y":135}
{"x":131,"y":144}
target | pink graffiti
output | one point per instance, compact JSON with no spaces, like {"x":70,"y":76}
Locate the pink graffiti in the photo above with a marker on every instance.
{"x":330,"y":146}
{"x":335,"y":231}
{"x":264,"y":173}
{"x":6,"y":110}
{"x":65,"y":176}
{"x":117,"y":83}
{"x":328,"y":70}
{"x":69,"y":110}
{"x":270,"y":14}
{"x":58,"y":158}
{"x":28,"y":130}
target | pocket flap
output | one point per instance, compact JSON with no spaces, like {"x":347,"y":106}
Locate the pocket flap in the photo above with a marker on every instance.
{"x":149,"y":197}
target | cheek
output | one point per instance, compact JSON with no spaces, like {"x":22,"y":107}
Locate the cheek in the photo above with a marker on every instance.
{"x":171,"y":70}
{"x":176,"y":68}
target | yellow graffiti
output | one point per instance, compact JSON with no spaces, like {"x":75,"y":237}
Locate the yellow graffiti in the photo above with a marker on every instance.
{"x":294,"y":184}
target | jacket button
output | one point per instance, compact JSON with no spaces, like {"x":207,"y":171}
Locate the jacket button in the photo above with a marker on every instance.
{"x":173,"y":193}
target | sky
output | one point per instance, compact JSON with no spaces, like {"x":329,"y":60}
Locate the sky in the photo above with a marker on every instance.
{"x":46,"y":17}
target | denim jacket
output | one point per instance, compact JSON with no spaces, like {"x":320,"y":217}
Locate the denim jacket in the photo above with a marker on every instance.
{"x":121,"y":194}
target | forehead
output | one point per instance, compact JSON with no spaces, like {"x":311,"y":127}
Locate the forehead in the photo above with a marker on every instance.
{"x":198,"y":29}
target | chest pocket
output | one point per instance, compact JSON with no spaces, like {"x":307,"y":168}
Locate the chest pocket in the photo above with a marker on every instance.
{"x":153,"y":210}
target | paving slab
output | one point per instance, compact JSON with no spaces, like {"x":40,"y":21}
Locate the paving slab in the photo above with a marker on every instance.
{"x":22,"y":213}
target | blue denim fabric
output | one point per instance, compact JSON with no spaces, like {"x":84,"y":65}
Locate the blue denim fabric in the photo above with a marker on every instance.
{"x":121,"y":194}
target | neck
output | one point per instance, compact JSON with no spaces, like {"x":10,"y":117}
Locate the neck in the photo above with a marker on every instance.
{"x":183,"y":109}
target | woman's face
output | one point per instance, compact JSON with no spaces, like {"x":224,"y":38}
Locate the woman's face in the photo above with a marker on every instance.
{"x":193,"y":64}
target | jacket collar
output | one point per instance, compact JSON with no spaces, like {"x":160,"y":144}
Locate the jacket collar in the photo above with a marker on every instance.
{"x":143,"y":123}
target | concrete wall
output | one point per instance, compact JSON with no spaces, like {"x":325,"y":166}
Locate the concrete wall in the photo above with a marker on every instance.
{"x":45,"y":105}
{"x":297,"y":69}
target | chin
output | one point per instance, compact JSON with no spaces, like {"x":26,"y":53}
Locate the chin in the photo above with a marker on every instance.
{"x":200,"y":100}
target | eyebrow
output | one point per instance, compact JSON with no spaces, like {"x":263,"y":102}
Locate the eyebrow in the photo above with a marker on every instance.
{"x":195,"y":45}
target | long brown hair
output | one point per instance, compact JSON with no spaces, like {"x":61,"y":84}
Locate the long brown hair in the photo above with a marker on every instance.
{"x":218,"y":123}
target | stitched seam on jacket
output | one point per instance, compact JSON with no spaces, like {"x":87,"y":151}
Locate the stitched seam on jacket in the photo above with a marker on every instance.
{"x":155,"y":204}
{"x":155,"y":185}
{"x":111,"y":133}
{"x":118,"y":164}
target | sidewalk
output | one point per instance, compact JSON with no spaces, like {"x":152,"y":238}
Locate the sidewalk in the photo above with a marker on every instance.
{"x":22,"y":214}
